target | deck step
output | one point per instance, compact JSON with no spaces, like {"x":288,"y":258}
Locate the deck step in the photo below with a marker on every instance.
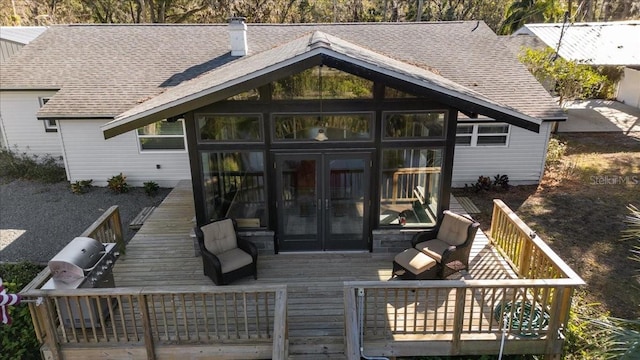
{"x":137,"y":222}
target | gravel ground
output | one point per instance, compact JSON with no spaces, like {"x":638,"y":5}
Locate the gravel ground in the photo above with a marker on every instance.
{"x":37,"y":220}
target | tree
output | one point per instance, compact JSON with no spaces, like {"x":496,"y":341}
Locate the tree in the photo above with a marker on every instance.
{"x":530,"y":11}
{"x":568,"y":79}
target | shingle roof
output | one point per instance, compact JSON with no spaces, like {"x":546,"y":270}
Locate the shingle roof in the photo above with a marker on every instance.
{"x":21,"y":34}
{"x":105,"y":70}
{"x":516,"y":43}
{"x":596,"y":43}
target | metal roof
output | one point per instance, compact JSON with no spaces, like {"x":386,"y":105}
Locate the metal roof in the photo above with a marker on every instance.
{"x":21,"y":34}
{"x":596,"y":43}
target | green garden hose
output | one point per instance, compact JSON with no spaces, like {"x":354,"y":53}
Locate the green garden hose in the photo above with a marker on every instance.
{"x":522,"y":317}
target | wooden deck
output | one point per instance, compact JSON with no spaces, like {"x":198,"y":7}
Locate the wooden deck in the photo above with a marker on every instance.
{"x":162,"y":254}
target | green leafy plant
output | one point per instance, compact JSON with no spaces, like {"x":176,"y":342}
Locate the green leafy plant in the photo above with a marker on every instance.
{"x":118,"y":184}
{"x":18,"y":340}
{"x":570,"y":79}
{"x":81,"y":186}
{"x":484,"y":183}
{"x":151,"y":188}
{"x":14,"y":165}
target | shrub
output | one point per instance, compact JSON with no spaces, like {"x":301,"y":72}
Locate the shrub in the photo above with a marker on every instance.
{"x":484,"y":183}
{"x":118,"y":184}
{"x":81,"y":187}
{"x":151,"y":188}
{"x":18,"y":340}
{"x":31,"y":167}
{"x":555,"y":151}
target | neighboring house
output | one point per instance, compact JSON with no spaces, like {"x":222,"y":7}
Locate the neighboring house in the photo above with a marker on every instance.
{"x":320,"y":133}
{"x":615,"y":43}
{"x":12,"y":39}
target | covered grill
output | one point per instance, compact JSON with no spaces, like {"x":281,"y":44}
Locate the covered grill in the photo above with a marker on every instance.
{"x":83,"y":263}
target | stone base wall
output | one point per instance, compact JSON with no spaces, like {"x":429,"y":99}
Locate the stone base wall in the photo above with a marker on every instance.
{"x":392,"y":240}
{"x":384,"y":241}
{"x":263,"y":240}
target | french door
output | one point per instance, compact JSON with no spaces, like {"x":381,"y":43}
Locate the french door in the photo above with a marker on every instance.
{"x":323,"y":201}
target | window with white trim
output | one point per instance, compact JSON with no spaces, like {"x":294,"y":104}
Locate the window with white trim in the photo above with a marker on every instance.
{"x":494,"y":134}
{"x":49,"y":125}
{"x":162,"y":135}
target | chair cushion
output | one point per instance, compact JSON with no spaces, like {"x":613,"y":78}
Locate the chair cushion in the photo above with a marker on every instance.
{"x":434,"y":248}
{"x":414,"y":261}
{"x":219,"y":236}
{"x":234,"y":259}
{"x":454,"y":229}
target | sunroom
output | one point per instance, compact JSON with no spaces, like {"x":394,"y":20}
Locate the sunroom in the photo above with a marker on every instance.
{"x":319,"y":144}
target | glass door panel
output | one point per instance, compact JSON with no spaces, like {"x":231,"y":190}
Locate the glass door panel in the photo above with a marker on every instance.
{"x":298,"y":202}
{"x":323,"y":201}
{"x":347,"y":201}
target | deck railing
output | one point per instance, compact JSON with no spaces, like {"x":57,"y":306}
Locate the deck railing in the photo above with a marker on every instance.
{"x":468,"y":316}
{"x":247,"y":322}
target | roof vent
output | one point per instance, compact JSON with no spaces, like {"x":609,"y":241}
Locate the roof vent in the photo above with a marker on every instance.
{"x":238,"y":36}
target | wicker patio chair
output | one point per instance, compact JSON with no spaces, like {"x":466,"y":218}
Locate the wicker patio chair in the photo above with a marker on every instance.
{"x":226,"y":257}
{"x":449,"y":243}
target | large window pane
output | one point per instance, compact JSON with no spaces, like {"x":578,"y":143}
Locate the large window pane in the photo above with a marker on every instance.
{"x":217,"y":127}
{"x":410,"y":186}
{"x":335,"y":84}
{"x":414,"y":125}
{"x":234,"y":186}
{"x":309,"y":127}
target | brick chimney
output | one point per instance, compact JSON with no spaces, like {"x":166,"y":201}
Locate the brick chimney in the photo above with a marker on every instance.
{"x":238,"y":36}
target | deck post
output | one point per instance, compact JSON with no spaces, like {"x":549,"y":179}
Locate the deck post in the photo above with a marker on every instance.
{"x":146,"y":326}
{"x":351,"y":329}
{"x":51,"y":348}
{"x":554,"y":346}
{"x":280,"y":328}
{"x":458,"y":320}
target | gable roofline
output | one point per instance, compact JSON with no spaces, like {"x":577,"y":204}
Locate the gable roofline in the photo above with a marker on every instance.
{"x":299,"y":54}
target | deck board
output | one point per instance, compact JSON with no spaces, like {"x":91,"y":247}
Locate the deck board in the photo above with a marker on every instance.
{"x":162,"y":254}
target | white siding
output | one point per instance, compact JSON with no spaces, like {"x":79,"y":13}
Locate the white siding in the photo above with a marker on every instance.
{"x":629,"y":88}
{"x":89,"y":156}
{"x":7,"y":49}
{"x":522,"y":160}
{"x":20,"y":127}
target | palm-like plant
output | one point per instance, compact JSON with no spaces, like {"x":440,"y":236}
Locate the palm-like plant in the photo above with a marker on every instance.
{"x":622,"y":336}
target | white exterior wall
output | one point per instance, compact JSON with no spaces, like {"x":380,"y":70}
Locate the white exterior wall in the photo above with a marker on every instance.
{"x":629,"y":88}
{"x":20,"y":128}
{"x":522,"y":160}
{"x":7,"y":49}
{"x":89,"y":156}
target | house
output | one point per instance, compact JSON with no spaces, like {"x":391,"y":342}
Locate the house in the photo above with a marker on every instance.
{"x":613,"y":43}
{"x":313,"y":136}
{"x":12,"y":39}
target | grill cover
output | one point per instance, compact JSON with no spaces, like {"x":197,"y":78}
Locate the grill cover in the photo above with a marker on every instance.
{"x":80,"y":255}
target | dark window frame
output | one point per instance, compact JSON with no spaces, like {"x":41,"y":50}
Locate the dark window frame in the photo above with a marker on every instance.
{"x":50,"y":125}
